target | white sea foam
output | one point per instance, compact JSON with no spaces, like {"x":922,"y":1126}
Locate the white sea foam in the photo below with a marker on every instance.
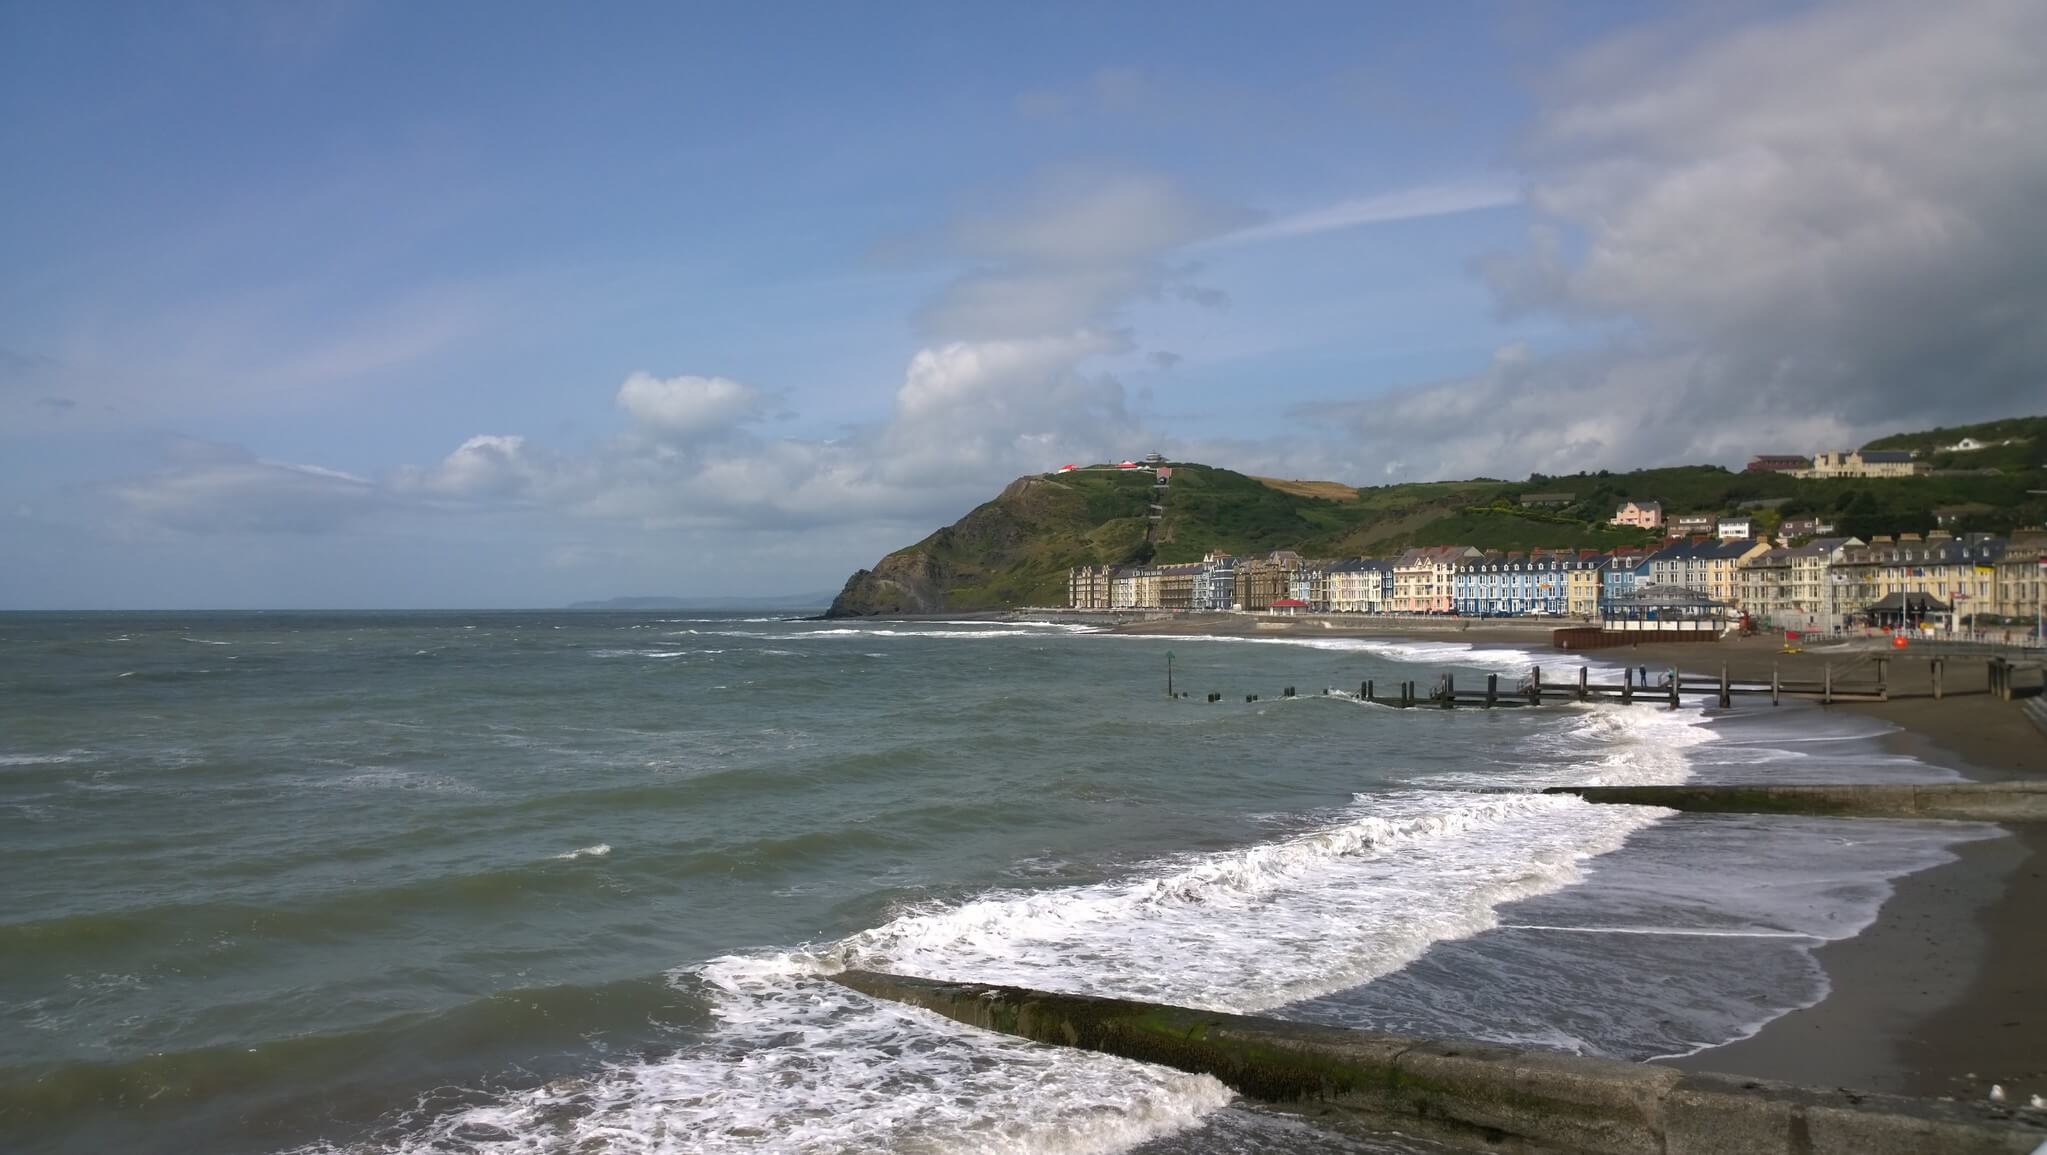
{"x":208,"y":642}
{"x":43,"y":759}
{"x":1434,"y":653}
{"x":599,"y":850}
{"x":957,"y":635}
{"x":799,"y":1063}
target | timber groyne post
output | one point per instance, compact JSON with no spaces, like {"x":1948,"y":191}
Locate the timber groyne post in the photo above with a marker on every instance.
{"x":1501,"y":1098}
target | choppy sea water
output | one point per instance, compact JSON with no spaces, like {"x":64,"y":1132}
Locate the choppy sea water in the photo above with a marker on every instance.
{"x":572,"y":882}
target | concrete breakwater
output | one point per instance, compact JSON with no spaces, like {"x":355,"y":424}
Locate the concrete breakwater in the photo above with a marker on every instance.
{"x":1965,"y":801}
{"x":1497,"y":1098}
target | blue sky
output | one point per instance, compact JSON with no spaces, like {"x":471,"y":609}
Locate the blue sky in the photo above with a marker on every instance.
{"x":360,"y":304}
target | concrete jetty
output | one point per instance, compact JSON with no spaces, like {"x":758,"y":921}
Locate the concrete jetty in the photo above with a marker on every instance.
{"x":1492,"y":1097}
{"x":1966,"y":801}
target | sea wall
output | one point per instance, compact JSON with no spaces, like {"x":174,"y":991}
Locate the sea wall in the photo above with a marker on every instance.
{"x":1969,"y":801}
{"x":1499,"y":1098}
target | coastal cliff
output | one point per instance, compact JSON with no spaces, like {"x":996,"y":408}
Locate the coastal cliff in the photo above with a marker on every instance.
{"x":901,"y":583}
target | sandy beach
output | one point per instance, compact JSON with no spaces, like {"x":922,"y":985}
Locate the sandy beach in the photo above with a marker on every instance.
{"x":1945,"y":995}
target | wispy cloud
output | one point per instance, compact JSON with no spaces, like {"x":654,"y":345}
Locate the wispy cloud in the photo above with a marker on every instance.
{"x":1436,"y":200}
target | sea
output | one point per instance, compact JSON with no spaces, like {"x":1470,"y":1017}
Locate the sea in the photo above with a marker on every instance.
{"x":575,"y":882}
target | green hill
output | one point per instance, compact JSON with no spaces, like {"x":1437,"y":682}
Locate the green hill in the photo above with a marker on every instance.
{"x":1016,"y":549}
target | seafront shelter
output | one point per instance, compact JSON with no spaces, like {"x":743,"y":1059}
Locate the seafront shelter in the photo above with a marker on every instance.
{"x":1909,"y":611}
{"x":1664,"y":607}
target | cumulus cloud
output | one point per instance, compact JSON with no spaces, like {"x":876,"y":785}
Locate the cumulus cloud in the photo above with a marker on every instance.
{"x":485,"y":467}
{"x":688,"y":406}
{"x":1813,"y":229}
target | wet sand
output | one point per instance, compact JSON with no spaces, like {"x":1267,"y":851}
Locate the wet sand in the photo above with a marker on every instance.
{"x":1946,"y":993}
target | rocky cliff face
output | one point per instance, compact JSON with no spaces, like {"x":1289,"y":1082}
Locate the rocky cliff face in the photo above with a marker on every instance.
{"x":910,"y":582}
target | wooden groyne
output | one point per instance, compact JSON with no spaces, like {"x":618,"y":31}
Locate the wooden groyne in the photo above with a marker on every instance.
{"x":1495,"y":1097}
{"x":1867,"y":680}
{"x":1965,"y":801}
{"x":1532,"y":690}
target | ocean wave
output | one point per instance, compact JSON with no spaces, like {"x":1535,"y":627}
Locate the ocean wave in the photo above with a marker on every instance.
{"x":799,"y":1063}
{"x":959,"y":635}
{"x":598,"y":850}
{"x":54,"y":759}
{"x":1414,"y":652}
{"x":857,"y":1076}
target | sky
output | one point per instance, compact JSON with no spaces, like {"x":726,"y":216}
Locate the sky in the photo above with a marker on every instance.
{"x":383,"y":305}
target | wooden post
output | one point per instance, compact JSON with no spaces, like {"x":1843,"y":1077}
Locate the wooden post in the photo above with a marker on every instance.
{"x":1628,"y":688}
{"x":1726,"y":692}
{"x":1449,"y":691}
{"x":1677,"y":678}
{"x":1535,"y":686}
{"x":1827,"y":685}
{"x":1492,"y":690}
{"x":1365,"y":691}
{"x":1939,"y":667}
{"x":1584,"y":673}
{"x":1169,"y":673}
{"x":1883,"y":678}
{"x":1773,"y":683}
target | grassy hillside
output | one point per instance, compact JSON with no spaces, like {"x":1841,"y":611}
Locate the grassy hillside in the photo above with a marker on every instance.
{"x":1016,"y":549}
{"x":2025,"y":448}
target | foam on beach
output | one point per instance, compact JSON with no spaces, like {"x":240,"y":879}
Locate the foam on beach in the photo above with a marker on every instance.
{"x":797,"y":1062}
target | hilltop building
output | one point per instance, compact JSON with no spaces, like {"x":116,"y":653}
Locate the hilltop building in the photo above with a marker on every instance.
{"x":1863,"y":463}
{"x":1794,"y":527}
{"x":1640,"y":514}
{"x":1687,"y":524}
{"x":1777,"y":463}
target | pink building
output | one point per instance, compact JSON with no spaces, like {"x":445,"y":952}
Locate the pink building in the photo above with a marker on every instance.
{"x":1640,"y":514}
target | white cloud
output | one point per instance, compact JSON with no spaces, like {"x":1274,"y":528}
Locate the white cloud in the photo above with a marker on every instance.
{"x":1812,"y":230}
{"x":1402,"y":205}
{"x":487,"y":466}
{"x":1070,"y":256}
{"x":688,"y":406}
{"x":210,"y":488}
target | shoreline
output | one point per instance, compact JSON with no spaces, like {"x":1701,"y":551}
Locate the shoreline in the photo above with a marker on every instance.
{"x":1943,"y":994}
